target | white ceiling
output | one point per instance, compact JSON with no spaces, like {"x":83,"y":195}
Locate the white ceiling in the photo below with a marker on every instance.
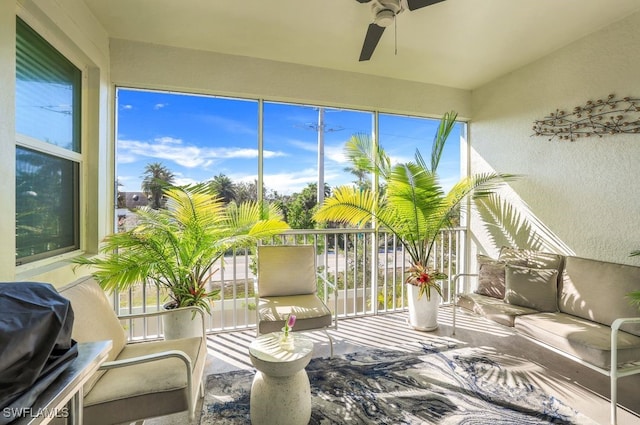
{"x":457,"y":43}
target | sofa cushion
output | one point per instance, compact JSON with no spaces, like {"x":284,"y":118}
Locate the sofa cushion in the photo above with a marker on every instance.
{"x":597,"y":290}
{"x":582,"y":338}
{"x":531,"y":287}
{"x":493,"y":308}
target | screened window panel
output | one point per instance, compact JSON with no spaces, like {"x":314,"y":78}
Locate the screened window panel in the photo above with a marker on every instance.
{"x":47,"y":92}
{"x":46,"y":205}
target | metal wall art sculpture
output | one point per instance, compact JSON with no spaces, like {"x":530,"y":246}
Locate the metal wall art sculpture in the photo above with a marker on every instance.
{"x":594,"y":118}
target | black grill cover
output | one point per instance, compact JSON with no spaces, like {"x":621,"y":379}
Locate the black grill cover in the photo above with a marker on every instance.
{"x":35,"y":342}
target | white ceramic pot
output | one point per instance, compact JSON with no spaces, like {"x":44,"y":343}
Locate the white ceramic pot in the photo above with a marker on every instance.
{"x":423,"y":313}
{"x":181,"y":323}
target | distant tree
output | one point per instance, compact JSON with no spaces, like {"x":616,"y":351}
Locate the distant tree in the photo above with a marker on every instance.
{"x":302,"y":206}
{"x":224,"y":187}
{"x":363,"y":178}
{"x":246,"y":191}
{"x":156,"y":177}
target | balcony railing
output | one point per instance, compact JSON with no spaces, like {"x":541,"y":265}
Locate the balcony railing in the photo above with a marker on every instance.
{"x":367,"y":268}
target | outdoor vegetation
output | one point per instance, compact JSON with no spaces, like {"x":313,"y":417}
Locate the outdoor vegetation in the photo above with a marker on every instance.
{"x":299,"y":210}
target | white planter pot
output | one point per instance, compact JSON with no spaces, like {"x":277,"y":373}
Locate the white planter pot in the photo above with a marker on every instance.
{"x":423,"y":314}
{"x":181,"y":323}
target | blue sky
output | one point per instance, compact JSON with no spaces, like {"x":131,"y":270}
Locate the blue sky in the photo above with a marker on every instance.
{"x":199,"y":137}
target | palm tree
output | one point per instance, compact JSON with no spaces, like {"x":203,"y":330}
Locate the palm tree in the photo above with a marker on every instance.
{"x":224,"y":187}
{"x":156,"y":178}
{"x":176,"y":248}
{"x":414,"y":207}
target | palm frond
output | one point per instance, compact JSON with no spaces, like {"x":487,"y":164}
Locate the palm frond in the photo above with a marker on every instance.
{"x":348,"y":205}
{"x":634,"y":298}
{"x":361,"y":150}
{"x":447,"y":122}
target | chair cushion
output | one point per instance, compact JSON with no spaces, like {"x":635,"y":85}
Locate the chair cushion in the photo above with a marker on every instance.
{"x":286,"y":270}
{"x":532,"y":288}
{"x":492,"y":308}
{"x":588,"y":340}
{"x":145,"y":390}
{"x":310,"y":312}
{"x":95,"y":318}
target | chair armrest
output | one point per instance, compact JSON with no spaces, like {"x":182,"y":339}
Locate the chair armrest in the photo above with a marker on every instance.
{"x":335,"y":297}
{"x":615,"y":328}
{"x":456,"y":281}
{"x":325,"y":280}
{"x":148,"y":358}
{"x":199,"y":311}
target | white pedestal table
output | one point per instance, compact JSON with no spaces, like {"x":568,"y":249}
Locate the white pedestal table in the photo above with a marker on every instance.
{"x":280,"y":393}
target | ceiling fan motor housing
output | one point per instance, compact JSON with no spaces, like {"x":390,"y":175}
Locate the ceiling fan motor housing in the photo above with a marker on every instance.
{"x":384,"y":11}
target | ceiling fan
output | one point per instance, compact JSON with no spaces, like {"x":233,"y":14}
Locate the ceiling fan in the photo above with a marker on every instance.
{"x":384,"y":13}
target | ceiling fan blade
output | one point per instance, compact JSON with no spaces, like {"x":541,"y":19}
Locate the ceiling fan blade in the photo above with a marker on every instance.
{"x":418,"y":4}
{"x":371,"y":41}
{"x":364,"y":1}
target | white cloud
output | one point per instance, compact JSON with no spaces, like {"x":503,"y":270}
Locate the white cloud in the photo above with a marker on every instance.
{"x":229,"y":125}
{"x":127,"y":107}
{"x":307,"y":146}
{"x":175,"y":150}
{"x":289,"y":183}
{"x":159,"y":106}
{"x":335,"y":153}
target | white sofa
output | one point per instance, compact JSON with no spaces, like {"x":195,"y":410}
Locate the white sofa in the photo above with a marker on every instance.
{"x":575,"y":306}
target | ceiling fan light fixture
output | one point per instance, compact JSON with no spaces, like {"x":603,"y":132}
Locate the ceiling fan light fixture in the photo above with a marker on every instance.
{"x":384,"y":18}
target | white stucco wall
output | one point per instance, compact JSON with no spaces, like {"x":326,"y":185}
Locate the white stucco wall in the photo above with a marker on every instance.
{"x":144,"y":65}
{"x":585,"y":192}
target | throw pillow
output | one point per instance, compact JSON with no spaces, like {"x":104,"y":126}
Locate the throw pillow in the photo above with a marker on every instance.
{"x":532,"y":287}
{"x":490,"y":277}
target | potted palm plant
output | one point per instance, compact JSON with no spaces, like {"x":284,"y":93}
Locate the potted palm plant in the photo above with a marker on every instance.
{"x":176,"y":248}
{"x":413,"y":207}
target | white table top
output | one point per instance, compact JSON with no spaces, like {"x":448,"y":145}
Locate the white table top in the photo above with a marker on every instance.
{"x":267,"y":348}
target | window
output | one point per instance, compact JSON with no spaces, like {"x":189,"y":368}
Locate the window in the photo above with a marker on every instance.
{"x":184,"y":138}
{"x":48,"y":90}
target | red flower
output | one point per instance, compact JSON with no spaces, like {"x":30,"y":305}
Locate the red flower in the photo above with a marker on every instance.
{"x":423,"y":278}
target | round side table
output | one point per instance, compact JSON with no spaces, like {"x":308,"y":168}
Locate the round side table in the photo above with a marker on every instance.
{"x":280,"y":393}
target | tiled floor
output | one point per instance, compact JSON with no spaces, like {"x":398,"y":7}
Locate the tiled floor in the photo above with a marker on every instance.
{"x":580,"y":387}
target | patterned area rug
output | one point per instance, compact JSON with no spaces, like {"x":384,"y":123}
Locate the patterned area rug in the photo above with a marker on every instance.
{"x":434,"y":384}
